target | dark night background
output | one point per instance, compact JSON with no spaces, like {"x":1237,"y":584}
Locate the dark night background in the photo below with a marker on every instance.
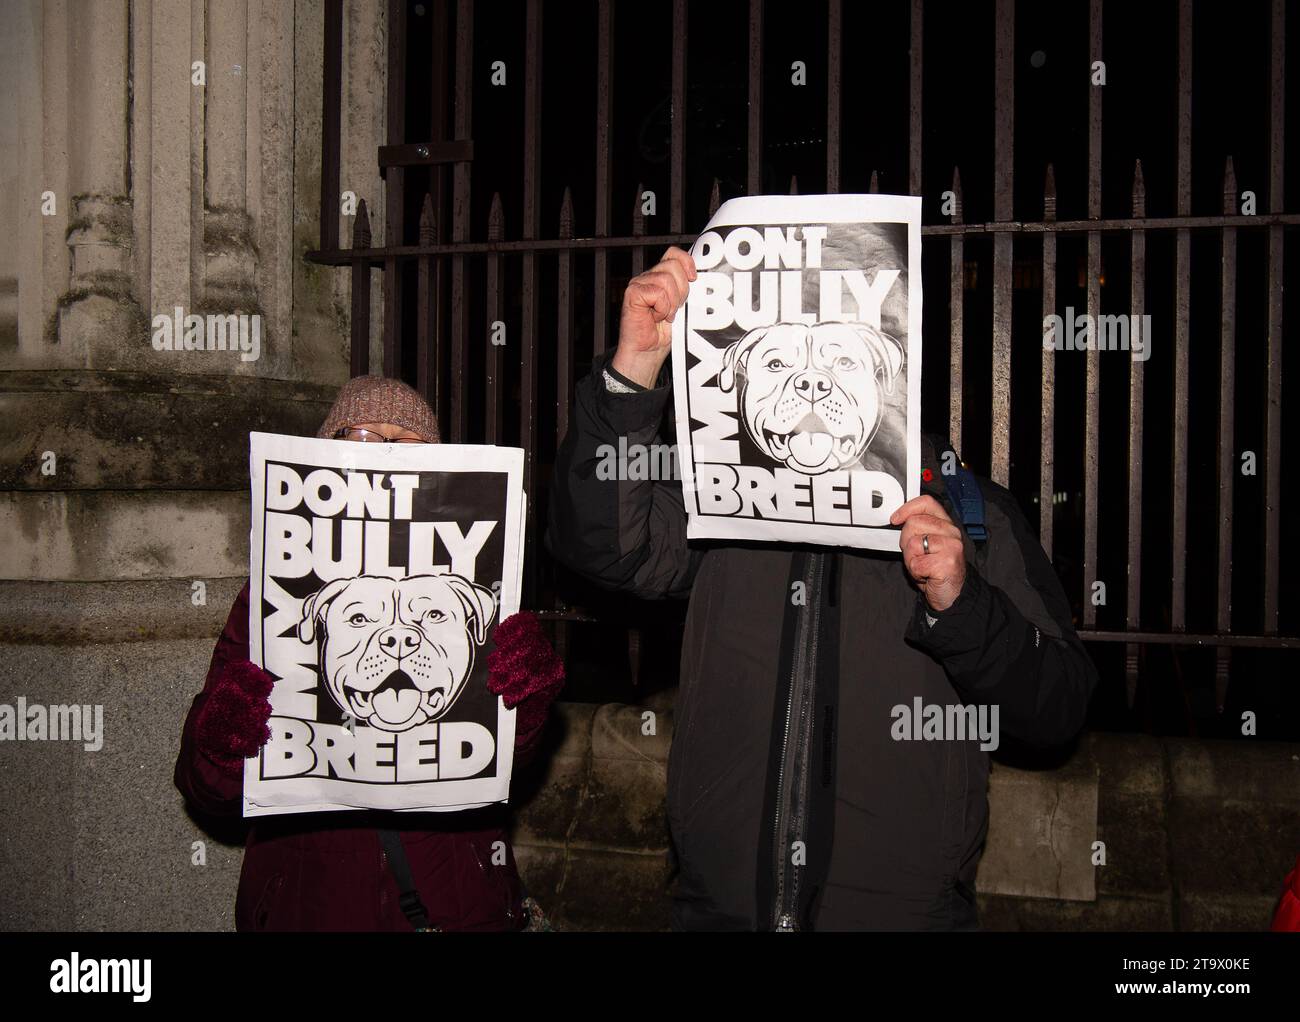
{"x":1230,"y":117}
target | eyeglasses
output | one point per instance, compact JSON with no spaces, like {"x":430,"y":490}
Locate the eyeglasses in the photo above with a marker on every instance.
{"x":366,"y":436}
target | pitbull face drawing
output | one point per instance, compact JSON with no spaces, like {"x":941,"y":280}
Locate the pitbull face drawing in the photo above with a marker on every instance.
{"x":810,"y":395}
{"x":395,"y":653}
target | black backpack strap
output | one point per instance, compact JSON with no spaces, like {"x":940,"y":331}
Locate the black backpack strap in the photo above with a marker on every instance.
{"x":966,"y":496}
{"x":412,"y":907}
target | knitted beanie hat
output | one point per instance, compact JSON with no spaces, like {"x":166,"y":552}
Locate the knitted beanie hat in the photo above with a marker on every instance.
{"x":380,"y":399}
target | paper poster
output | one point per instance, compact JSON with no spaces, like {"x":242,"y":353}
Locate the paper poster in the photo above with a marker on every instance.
{"x":377,"y":574}
{"x":797,"y":370}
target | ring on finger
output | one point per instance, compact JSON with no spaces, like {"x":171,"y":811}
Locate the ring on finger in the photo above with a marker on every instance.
{"x":925,"y":543}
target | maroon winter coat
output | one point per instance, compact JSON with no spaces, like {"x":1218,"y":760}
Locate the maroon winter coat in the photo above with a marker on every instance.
{"x":327,"y":871}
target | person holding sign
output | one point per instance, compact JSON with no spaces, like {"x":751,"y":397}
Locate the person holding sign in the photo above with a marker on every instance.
{"x":365,"y":870}
{"x":818,"y":778}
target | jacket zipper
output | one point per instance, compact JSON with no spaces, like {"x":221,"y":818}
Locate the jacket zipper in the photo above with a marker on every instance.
{"x":792,"y":778}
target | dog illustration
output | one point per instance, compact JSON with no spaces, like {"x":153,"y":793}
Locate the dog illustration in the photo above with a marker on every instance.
{"x":810,"y":395}
{"x":395,"y":653}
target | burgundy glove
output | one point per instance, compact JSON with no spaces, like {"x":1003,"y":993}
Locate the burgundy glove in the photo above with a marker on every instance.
{"x":525,"y":672}
{"x":231,"y":725}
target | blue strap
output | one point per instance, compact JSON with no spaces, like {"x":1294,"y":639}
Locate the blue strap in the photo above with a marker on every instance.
{"x":964,"y":492}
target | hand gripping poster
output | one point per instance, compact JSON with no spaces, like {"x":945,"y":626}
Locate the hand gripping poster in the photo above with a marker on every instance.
{"x":377,"y":574}
{"x":797,"y":370}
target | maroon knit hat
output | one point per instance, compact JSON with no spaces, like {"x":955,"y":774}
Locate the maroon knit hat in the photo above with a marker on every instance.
{"x":380,"y":399}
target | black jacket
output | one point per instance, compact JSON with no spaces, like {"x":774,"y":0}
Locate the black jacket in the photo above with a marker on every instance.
{"x":790,"y":800}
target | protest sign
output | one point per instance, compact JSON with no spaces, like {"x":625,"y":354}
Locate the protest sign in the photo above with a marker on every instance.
{"x":797,"y":370}
{"x":378,"y":572}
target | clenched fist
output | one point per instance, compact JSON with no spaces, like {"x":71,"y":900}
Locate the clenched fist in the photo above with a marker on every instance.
{"x":941,"y":572}
{"x":651,"y":301}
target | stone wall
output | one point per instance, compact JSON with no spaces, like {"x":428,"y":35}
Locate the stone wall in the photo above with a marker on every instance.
{"x":164,"y":155}
{"x":154,"y":155}
{"x":101,"y":840}
{"x":1197,"y":835}
{"x":590,"y":834}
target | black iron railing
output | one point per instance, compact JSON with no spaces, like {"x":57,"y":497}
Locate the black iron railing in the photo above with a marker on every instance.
{"x":448,"y":312}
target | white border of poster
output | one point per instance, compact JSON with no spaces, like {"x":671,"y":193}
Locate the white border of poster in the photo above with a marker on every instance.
{"x":449,"y":795}
{"x":807,"y":210}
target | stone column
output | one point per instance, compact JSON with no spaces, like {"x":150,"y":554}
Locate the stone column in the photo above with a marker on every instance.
{"x":19,"y":139}
{"x":98,"y":315}
{"x":123,"y":468}
{"x":167,"y":132}
{"x":230,"y":256}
